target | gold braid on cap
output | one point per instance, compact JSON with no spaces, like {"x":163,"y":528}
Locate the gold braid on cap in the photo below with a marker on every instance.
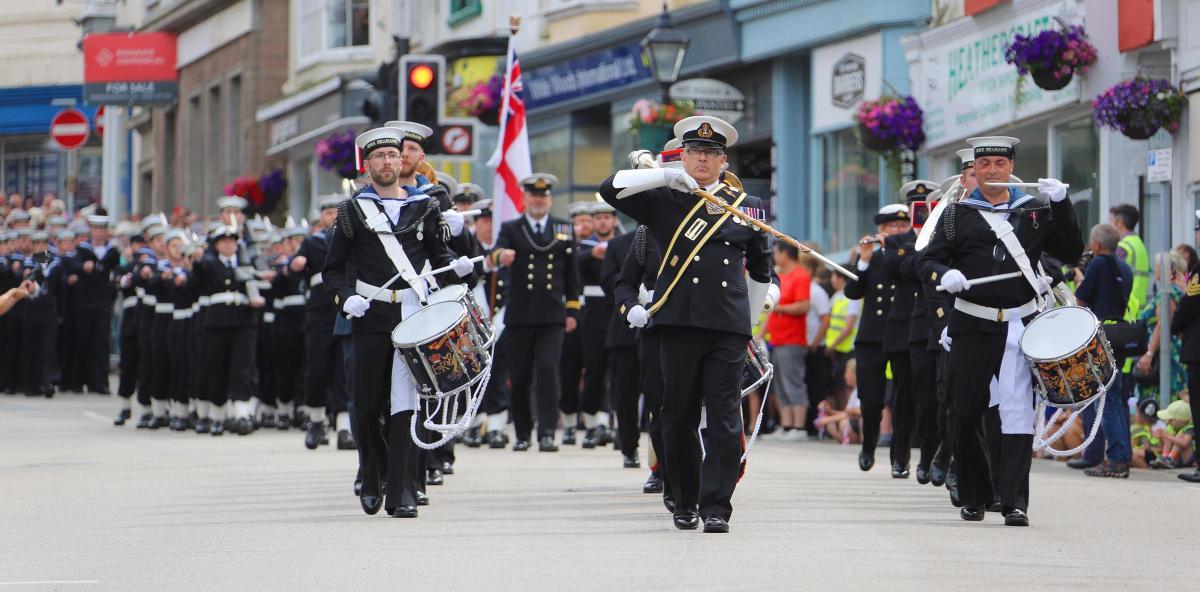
{"x":424,"y":168}
{"x":732,"y":180}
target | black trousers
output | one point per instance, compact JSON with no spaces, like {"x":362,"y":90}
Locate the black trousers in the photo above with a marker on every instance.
{"x":266,"y":353}
{"x":945,"y":412}
{"x":404,"y":474}
{"x":160,"y":381}
{"x":372,"y":406}
{"x":181,"y":360}
{"x":198,"y":387}
{"x":288,"y":347}
{"x":923,"y":375}
{"x":974,"y":360}
{"x":128,"y":370}
{"x":68,"y":377}
{"x":321,"y":355}
{"x":10,"y":359}
{"x":94,"y":325}
{"x":904,"y":408}
{"x":1193,"y":382}
{"x":146,"y":354}
{"x":702,"y":369}
{"x":497,"y":396}
{"x":595,"y":373}
{"x":571,"y":369}
{"x":534,"y":352}
{"x":652,"y":388}
{"x":39,"y":333}
{"x":227,"y":352}
{"x":626,"y":372}
{"x":872,"y":387}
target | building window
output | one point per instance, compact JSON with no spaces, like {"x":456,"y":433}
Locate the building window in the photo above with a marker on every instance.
{"x":849,"y":188}
{"x":462,"y":11}
{"x":1078,"y":150}
{"x":233,"y":128}
{"x":332,"y":24}
{"x":195,"y":149}
{"x":215,"y":180}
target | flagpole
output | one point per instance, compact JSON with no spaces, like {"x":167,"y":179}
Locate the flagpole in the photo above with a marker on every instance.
{"x":514,"y":25}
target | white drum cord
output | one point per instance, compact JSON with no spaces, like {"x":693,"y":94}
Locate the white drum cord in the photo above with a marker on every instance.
{"x":1040,"y":444}
{"x":450,"y":431}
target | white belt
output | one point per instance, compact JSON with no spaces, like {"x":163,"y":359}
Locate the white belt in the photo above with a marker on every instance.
{"x":315,"y":280}
{"x":149,"y":300}
{"x":202,"y":301}
{"x":195,"y":307}
{"x":182,"y":314}
{"x":998,"y":315}
{"x":164,"y":308}
{"x":593,"y":291}
{"x":129,"y":302}
{"x":286,"y":301}
{"x":366,"y":290}
{"x":139,"y":291}
{"x":268,"y":317}
{"x":229,"y":298}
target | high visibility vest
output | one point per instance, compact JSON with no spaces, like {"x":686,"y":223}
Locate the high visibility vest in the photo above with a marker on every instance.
{"x":1138,"y":259}
{"x":837,"y":321}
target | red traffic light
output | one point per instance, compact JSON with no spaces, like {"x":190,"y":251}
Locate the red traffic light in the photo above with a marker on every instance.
{"x":420,"y":76}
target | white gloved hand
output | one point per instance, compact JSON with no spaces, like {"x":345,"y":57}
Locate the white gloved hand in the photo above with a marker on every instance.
{"x":463,"y":266}
{"x":772,"y":298}
{"x":1053,"y":189}
{"x":954,"y":281}
{"x":637,"y":317}
{"x":679,"y":180}
{"x":1047,"y":283}
{"x":945,"y":339}
{"x":356,"y":306}
{"x":641,"y":159}
{"x":454,"y":220}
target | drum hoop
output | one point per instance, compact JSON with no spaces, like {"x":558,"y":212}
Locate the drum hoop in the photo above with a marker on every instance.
{"x":1071,"y":353}
{"x":434,"y":393}
{"x":407,"y":345}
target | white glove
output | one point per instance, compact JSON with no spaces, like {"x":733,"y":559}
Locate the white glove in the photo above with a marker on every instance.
{"x":356,"y":306}
{"x":454,"y":220}
{"x":772,"y":298}
{"x":463,"y":266}
{"x":1053,"y":189}
{"x":954,"y":281}
{"x":1046,"y":282}
{"x":637,"y":317}
{"x":641,"y":159}
{"x":679,"y":180}
{"x":945,"y":339}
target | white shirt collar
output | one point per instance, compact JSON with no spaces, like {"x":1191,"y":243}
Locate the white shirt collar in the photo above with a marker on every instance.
{"x":230,"y":261}
{"x":712,"y":187}
{"x":533,"y":222}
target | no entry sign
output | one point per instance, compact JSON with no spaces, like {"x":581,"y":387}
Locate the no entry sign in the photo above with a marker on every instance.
{"x":69,"y":129}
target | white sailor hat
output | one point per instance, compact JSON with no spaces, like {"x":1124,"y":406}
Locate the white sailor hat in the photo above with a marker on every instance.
{"x":967,"y":156}
{"x":673,"y":144}
{"x":705,"y":130}
{"x":56,"y":220}
{"x":892,"y":213}
{"x":22,"y":232}
{"x":539,"y":183}
{"x":485,"y":208}
{"x":153,"y":230}
{"x":917,"y":190}
{"x":601,"y":207}
{"x":412,"y":130}
{"x":994,"y":146}
{"x":222,"y":231}
{"x":65,"y":234}
{"x":468,"y":193}
{"x":19,"y":216}
{"x":175,"y":234}
{"x":448,"y":181}
{"x":9,"y":235}
{"x":78,"y":227}
{"x":231,"y":201}
{"x":40,"y":236}
{"x":579,"y":208}
{"x":330,"y":201}
{"x":99,"y":220}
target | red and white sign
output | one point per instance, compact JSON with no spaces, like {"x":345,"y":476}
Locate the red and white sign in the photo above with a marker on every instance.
{"x":130,"y":68}
{"x":69,"y":129}
{"x":98,"y":122}
{"x":456,"y":139}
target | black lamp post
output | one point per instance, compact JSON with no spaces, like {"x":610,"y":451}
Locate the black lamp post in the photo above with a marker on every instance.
{"x":665,"y":47}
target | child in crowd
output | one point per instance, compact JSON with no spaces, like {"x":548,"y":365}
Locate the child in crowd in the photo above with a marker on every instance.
{"x":843,"y":426}
{"x":1145,"y":434}
{"x":1178,"y":438}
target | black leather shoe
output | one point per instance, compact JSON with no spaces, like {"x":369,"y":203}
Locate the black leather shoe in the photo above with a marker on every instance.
{"x":589,"y":439}
{"x":568,"y":438}
{"x":716,"y":524}
{"x":143,"y":422}
{"x":178,"y":424}
{"x":422,"y":499}
{"x":865,"y":462}
{"x":370,"y":503}
{"x":473,"y":439}
{"x":447,"y":468}
{"x":521,"y":446}
{"x":1192,"y":477}
{"x":405,"y":512}
{"x":346,"y":441}
{"x":268,"y":421}
{"x":202,"y":425}
{"x":604,"y":437}
{"x":686,"y":519}
{"x":434,"y":477}
{"x":899,"y":472}
{"x":632,"y":462}
{"x":243,"y":426}
{"x":315,"y":435}
{"x":669,"y":503}
{"x":994,"y":506}
{"x":971,"y":514}
{"x":497,"y":439}
{"x":546,"y":444}
{"x":653,"y":484}
{"x":1082,"y":463}
{"x":1016,"y":517}
{"x":122,"y":417}
{"x":216,"y":428}
{"x":159,"y":421}
{"x":284,"y":423}
{"x":922,"y":475}
{"x":937,"y":474}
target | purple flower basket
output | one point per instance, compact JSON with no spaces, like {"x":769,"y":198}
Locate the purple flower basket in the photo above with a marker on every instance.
{"x":1140,"y":107}
{"x":891,"y":124}
{"x":336,"y":153}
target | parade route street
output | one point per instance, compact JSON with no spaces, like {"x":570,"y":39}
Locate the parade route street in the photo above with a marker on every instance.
{"x":86,"y":506}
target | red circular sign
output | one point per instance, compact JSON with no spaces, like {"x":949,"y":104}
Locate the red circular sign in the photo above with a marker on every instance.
{"x":69,"y":129}
{"x":98,"y":122}
{"x":456,"y":139}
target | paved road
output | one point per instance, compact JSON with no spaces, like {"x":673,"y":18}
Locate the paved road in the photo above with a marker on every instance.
{"x":101,"y":508}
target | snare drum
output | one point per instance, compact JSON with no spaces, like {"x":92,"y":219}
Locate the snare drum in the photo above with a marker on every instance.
{"x":479,"y":319}
{"x":441,"y":349}
{"x":1069,"y":355}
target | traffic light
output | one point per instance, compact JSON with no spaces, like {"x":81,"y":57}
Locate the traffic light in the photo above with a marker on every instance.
{"x":422,"y":88}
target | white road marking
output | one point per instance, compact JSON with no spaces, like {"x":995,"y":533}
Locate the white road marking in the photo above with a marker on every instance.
{"x":49,"y":582}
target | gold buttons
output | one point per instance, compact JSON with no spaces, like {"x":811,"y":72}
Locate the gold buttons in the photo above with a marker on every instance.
{"x":878,"y":312}
{"x":530,"y":266}
{"x":724,"y":284}
{"x":878,"y":286}
{"x":531,"y":276}
{"x":550,"y":266}
{"x":549,"y":287}
{"x":726,"y":262}
{"x":528,"y":286}
{"x":695,"y":280}
{"x":551,"y":256}
{"x":549,"y":276}
{"x":696,"y":258}
{"x":933,"y":276}
{"x":879,"y":299}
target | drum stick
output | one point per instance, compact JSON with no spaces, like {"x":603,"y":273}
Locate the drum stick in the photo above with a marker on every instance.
{"x":447,"y":268}
{"x":471,"y":212}
{"x":987,"y":279}
{"x":1021,"y":185}
{"x":378,"y":291}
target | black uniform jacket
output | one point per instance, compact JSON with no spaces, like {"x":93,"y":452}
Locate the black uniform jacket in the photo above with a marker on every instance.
{"x":1186,"y":321}
{"x":210,"y":276}
{"x":597,"y":310}
{"x":543,"y":286}
{"x":619,"y":333}
{"x":897,"y":249}
{"x":875,"y":290}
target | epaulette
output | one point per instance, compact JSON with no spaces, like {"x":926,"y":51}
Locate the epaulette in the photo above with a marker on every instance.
{"x":639,"y":244}
{"x":345,"y":210}
{"x":1193,"y":285}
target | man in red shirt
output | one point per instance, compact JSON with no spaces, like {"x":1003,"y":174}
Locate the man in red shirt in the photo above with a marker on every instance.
{"x":787,"y":334}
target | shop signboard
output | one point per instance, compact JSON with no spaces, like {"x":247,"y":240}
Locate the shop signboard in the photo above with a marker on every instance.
{"x":599,"y":71}
{"x":129,"y":68}
{"x":711,"y":97}
{"x":845,"y":74}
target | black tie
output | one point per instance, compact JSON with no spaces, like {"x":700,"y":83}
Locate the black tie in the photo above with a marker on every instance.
{"x":537,"y":228}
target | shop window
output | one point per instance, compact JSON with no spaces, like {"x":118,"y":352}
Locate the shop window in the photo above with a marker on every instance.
{"x":849,"y":190}
{"x":1078,"y":151}
{"x":462,"y":11}
{"x":195,"y":149}
{"x":331,"y":24}
{"x":550,"y":152}
{"x":233,"y":128}
{"x":591,"y":156}
{"x":215,"y":181}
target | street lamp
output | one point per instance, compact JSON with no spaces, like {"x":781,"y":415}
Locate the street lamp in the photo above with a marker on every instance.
{"x":665,"y":47}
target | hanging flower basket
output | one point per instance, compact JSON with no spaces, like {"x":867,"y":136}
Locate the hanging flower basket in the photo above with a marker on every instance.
{"x":336,"y":153}
{"x":273,"y":184}
{"x":653,"y":123}
{"x":1052,"y":57}
{"x":480,"y":100}
{"x":1140,"y":107}
{"x":890,"y":124}
{"x":247,"y":187}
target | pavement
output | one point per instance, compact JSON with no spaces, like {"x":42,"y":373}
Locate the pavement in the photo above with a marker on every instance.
{"x":87,"y":506}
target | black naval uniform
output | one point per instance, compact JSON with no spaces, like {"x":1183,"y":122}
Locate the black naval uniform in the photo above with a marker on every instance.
{"x":543,"y":293}
{"x":875,"y":290}
{"x":144,"y":271}
{"x":228,"y":334}
{"x":895,"y":347}
{"x":9,"y":327}
{"x":496,"y":397}
{"x":702,"y":315}
{"x":939,"y":305}
{"x":922,"y":358}
{"x":130,"y":311}
{"x":39,"y":319}
{"x":418,"y":230}
{"x":593,"y":328}
{"x":964,"y":241}
{"x":94,"y":303}
{"x":621,"y":341}
{"x":289,"y":306}
{"x":320,"y":352}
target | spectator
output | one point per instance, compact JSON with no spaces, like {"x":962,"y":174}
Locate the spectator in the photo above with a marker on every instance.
{"x":843,"y":425}
{"x":843,"y":326}
{"x":1179,"y":438}
{"x":1146,"y":367}
{"x":14,"y":295}
{"x":787,"y":334}
{"x":1105,"y":289}
{"x":1145,"y":435}
{"x":1130,"y":249}
{"x":819,"y":375}
{"x":1190,"y":258}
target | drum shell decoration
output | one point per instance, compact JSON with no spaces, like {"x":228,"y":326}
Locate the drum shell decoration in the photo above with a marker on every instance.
{"x":1071,"y":380}
{"x":479,"y":319}
{"x":447,"y":363}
